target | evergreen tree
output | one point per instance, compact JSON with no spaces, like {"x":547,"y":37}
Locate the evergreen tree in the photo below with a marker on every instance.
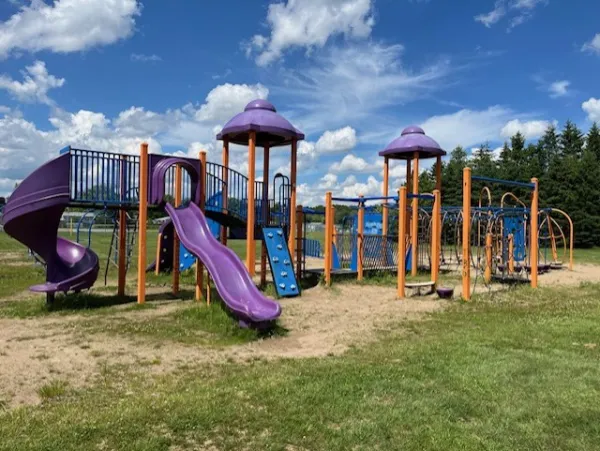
{"x":452,"y":177}
{"x":593,"y":140}
{"x":483,"y":161}
{"x":571,"y":141}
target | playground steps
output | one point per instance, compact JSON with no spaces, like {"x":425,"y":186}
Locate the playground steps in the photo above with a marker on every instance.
{"x":280,"y":262}
{"x":418,"y":286}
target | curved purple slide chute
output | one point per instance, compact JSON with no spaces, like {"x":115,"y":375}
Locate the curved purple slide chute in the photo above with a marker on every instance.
{"x":234,"y":284}
{"x":32,"y":216}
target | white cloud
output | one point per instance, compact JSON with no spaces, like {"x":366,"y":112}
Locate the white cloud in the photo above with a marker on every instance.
{"x":23,"y":146}
{"x":467,"y":127}
{"x":521,"y":11}
{"x":328,"y":181}
{"x":310,"y":23}
{"x":341,"y":140}
{"x":352,"y":163}
{"x":35,"y":85}
{"x":592,"y":45}
{"x":226,"y":100}
{"x":489,"y":19}
{"x":68,"y":25}
{"x":529,"y":129}
{"x":592,"y":108}
{"x":140,"y":57}
{"x":355,"y":83}
{"x":372,"y":187}
{"x":559,"y":88}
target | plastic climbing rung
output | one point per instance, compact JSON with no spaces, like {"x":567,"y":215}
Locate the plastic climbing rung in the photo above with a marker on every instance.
{"x":279,"y":247}
{"x":275,"y":259}
{"x":282,"y":285}
{"x":280,"y":232}
{"x":286,"y":262}
{"x":270,"y":235}
{"x":283,"y":274}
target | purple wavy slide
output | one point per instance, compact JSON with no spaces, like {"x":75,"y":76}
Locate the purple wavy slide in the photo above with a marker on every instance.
{"x":234,"y":284}
{"x":32,"y":216}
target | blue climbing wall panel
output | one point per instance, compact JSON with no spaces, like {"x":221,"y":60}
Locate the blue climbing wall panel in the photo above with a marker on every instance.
{"x":515,"y":225}
{"x":280,"y":262}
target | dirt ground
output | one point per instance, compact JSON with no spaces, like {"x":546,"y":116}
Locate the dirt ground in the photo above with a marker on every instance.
{"x":321,"y":322}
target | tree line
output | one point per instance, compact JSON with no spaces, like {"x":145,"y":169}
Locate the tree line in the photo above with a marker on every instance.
{"x":566,"y":163}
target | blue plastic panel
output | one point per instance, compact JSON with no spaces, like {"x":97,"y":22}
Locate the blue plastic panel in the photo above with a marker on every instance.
{"x":280,"y":262}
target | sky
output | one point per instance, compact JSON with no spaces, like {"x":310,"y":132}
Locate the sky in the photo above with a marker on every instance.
{"x":351,"y":74}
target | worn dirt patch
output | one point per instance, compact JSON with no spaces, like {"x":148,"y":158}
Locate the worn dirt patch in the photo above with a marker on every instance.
{"x":322,"y":322}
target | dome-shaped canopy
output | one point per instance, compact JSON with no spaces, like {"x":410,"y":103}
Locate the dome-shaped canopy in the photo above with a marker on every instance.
{"x":413,"y":139}
{"x":261,"y":117}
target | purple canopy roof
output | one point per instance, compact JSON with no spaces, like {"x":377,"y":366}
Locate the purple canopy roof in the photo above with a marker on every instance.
{"x":260,"y":116}
{"x":413,"y":139}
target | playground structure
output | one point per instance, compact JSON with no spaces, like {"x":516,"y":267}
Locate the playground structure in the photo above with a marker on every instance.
{"x":120,"y":184}
{"x":208,"y":202}
{"x":506,"y":243}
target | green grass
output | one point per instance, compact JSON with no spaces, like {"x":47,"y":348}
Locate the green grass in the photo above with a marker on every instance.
{"x":518,"y":370}
{"x":195,"y":324}
{"x":53,"y":390}
{"x":591,"y":255}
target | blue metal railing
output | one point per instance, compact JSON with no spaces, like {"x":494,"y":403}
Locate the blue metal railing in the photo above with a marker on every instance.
{"x":103,"y":177}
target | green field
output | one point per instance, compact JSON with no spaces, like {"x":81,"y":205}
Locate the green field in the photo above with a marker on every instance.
{"x":515,"y":370}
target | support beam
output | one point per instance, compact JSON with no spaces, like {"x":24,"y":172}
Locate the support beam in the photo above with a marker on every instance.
{"x":328,"y":237}
{"x":225,"y":191}
{"x":250,"y":223}
{"x":300,"y":241}
{"x":466,"y":236}
{"x":438,"y":174}
{"x":178,"y":181}
{"x":264,"y":215}
{"x":361,"y":235}
{"x":292,"y":225}
{"x":143,"y":219}
{"x":401,"y":242}
{"x":436,"y":236}
{"x":533,"y":246}
{"x":202,"y":205}
{"x":415,"y":218}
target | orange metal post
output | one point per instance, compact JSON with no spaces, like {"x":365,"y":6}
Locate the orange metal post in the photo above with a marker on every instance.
{"x":386,"y":171}
{"x":143,"y":218}
{"x":158,"y":249}
{"x":225,"y":191}
{"x":122,"y":234}
{"x":208,"y":289}
{"x":438,"y":174}
{"x":360,"y":237}
{"x":488,"y":258}
{"x":199,"y":265}
{"x":328,"y":238}
{"x":401,"y":242}
{"x":178,"y":180}
{"x":300,"y":240}
{"x":250,"y":224}
{"x":415,"y":217}
{"x":511,"y":254}
{"x":533,"y":247}
{"x":292,"y":227}
{"x":435,"y":237}
{"x":264,"y":214}
{"x":466,"y":235}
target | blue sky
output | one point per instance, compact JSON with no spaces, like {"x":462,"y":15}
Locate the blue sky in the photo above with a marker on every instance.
{"x":108,"y":74}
